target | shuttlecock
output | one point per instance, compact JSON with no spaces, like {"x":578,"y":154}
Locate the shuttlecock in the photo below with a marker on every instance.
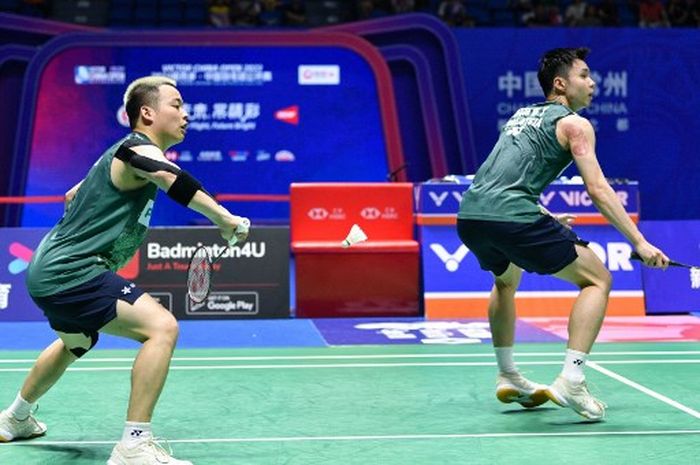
{"x":241,"y":230}
{"x":355,"y":235}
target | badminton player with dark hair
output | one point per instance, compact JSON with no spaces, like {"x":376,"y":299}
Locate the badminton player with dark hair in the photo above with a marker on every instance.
{"x":500,"y":221}
{"x":72,"y":276}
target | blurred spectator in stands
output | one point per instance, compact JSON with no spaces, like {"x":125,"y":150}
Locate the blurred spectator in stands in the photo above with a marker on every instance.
{"x":555,"y":17}
{"x":39,"y":8}
{"x":424,"y":6}
{"x":693,"y":13}
{"x":523,"y":10}
{"x":271,"y":14}
{"x":652,"y":14}
{"x":520,"y":7}
{"x":295,"y":13}
{"x":575,"y":13}
{"x":370,"y":9}
{"x":219,"y":13}
{"x":244,"y":13}
{"x":454,"y":13}
{"x":542,"y":14}
{"x":591,"y":18}
{"x":607,"y":11}
{"x":402,"y":6}
{"x":678,"y":14}
{"x":365,"y":9}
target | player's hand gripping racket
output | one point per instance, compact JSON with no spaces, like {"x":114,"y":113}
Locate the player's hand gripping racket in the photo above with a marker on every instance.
{"x":201,"y":264}
{"x":635,"y":256}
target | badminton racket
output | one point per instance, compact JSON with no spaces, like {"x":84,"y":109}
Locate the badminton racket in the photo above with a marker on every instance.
{"x":636,"y":256}
{"x":200,"y":269}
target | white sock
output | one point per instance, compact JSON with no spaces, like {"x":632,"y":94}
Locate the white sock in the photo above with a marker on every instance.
{"x":20,"y":408}
{"x":573,"y":365}
{"x":504,"y":357}
{"x":135,"y":432}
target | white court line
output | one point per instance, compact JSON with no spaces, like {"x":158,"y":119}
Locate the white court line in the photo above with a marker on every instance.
{"x":299,"y":366}
{"x":365,"y":356}
{"x":522,"y":294}
{"x":357,"y":365}
{"x":387,"y":437}
{"x":644,"y":389}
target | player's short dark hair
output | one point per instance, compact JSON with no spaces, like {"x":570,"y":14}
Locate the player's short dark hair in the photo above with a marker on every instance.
{"x":143,"y":91}
{"x":558,"y":62}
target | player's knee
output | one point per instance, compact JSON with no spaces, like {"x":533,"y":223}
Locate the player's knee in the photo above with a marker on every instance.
{"x":606,"y":280}
{"x":600,"y":278}
{"x":79,"y":344}
{"x":505,"y":285}
{"x":509,"y":280}
{"x":168,"y":328}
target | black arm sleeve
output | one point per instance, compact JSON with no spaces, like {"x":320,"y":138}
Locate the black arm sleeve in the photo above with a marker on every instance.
{"x":182,"y":190}
{"x":142,"y":163}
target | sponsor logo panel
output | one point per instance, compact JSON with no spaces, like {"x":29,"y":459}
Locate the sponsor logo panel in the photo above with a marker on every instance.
{"x":226,"y":303}
{"x":318,"y":75}
{"x":99,"y":74}
{"x":289,"y":115}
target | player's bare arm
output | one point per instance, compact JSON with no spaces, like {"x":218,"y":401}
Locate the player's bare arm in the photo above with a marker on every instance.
{"x":148,"y":164}
{"x":576,"y":134}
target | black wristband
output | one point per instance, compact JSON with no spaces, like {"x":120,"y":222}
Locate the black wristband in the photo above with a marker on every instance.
{"x":184,"y":188}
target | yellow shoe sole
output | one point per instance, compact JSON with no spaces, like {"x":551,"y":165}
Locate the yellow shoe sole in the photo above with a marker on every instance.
{"x":509,"y":395}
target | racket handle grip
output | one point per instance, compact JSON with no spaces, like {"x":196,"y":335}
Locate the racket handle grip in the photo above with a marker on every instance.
{"x":635,"y":256}
{"x":242,"y":228}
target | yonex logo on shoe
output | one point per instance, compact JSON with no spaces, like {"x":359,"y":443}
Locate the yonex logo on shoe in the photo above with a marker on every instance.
{"x":136,"y":433}
{"x":578,"y":362}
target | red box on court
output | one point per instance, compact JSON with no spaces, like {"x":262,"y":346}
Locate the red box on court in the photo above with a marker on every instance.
{"x":379,"y":277}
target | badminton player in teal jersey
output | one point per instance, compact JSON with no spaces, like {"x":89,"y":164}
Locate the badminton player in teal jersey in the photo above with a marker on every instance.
{"x":72,"y":276}
{"x":500,"y":221}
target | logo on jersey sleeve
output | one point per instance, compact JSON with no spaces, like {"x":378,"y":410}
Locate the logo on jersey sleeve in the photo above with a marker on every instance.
{"x":146,"y":213}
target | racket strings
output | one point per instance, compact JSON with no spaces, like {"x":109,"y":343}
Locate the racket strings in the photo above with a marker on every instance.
{"x":199,"y":276}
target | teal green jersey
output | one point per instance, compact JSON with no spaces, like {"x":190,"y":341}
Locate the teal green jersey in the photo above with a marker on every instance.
{"x":525,"y":160}
{"x":101,"y":229}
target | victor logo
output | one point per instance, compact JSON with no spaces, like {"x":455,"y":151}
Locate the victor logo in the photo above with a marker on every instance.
{"x":439,"y":199}
{"x":453,"y":260}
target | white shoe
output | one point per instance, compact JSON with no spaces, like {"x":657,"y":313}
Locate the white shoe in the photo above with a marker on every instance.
{"x":514,"y":387}
{"x":576,"y":396}
{"x":146,"y":452}
{"x":12,"y":428}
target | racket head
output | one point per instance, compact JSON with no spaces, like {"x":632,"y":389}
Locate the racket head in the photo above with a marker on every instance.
{"x":199,"y":275}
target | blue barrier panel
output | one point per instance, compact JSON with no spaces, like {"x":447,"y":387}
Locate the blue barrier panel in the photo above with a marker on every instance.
{"x":456,"y":287}
{"x":676,"y":290}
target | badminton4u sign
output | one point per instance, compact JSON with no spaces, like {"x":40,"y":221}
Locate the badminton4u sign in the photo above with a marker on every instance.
{"x":250,"y":281}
